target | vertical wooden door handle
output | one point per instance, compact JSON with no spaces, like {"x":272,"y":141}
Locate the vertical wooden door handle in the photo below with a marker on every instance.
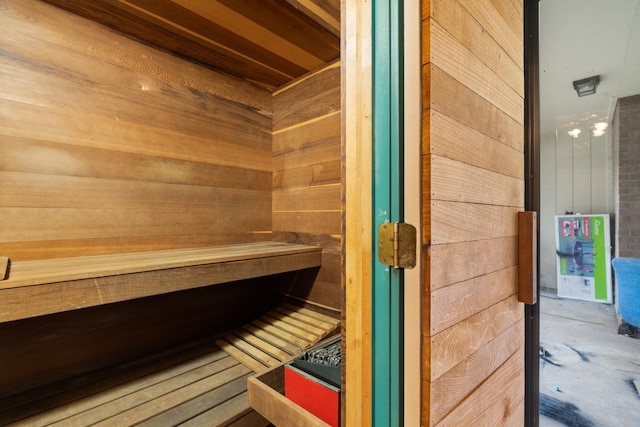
{"x":527,"y":257}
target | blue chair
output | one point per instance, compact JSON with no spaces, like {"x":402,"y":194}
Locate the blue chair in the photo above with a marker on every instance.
{"x":628,"y":279}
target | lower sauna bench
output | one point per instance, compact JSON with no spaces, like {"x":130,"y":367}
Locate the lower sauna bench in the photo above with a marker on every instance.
{"x":203,"y":384}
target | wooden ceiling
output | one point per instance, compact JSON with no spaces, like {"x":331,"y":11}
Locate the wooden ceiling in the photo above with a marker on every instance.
{"x":269,"y":42}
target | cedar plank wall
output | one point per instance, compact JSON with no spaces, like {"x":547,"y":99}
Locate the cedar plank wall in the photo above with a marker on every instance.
{"x":107,"y":145}
{"x":473,"y":333}
{"x":307,"y":187}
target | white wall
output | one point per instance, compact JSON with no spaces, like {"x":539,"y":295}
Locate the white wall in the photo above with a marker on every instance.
{"x":576,"y":175}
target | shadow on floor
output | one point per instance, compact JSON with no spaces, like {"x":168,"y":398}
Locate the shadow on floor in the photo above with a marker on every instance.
{"x":589,"y":375}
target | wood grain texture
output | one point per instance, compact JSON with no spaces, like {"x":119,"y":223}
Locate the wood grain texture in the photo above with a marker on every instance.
{"x":79,"y":341}
{"x":494,"y":402}
{"x":266,"y":396}
{"x":453,"y":263}
{"x":4,"y":267}
{"x":450,"y":97}
{"x":456,"y":141}
{"x":455,"y":303}
{"x":527,"y":257}
{"x":463,"y":380}
{"x":307,"y":189}
{"x":453,"y":222}
{"x":458,"y":182}
{"x":269,"y":42}
{"x":112,"y":146}
{"x":458,"y":22}
{"x":43,"y":287}
{"x":455,"y":59}
{"x":472,"y":191}
{"x":451,"y":346}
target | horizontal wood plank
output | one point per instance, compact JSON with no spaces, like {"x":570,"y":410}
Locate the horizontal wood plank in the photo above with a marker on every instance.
{"x":460,"y":63}
{"x":308,"y":98}
{"x":453,"y":222}
{"x":451,"y":346}
{"x":198,"y":405}
{"x":453,"y":99}
{"x":495,"y":400}
{"x":501,"y":28}
{"x":317,"y":198}
{"x":456,"y":141}
{"x":458,"y":182}
{"x":26,"y":155}
{"x":467,"y":30}
{"x":455,"y":262}
{"x":455,"y":303}
{"x":148,"y":407}
{"x":456,"y":384}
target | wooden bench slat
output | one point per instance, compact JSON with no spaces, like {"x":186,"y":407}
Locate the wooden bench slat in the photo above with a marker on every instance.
{"x":202,"y":378}
{"x":306,"y":319}
{"x":311,"y":313}
{"x":241,"y":356}
{"x":87,"y":396}
{"x":285,"y":345}
{"x":314,"y":329}
{"x":265,"y":346}
{"x":228,"y":411}
{"x":251,"y":350}
{"x":198,"y":405}
{"x":150,"y":408}
{"x":286,"y":326}
{"x":268,"y":326}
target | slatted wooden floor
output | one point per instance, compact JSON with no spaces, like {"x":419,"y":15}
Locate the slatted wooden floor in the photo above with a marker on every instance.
{"x":204,"y":384}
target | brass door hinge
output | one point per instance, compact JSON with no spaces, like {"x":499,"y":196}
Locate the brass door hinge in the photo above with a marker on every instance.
{"x":397,"y":244}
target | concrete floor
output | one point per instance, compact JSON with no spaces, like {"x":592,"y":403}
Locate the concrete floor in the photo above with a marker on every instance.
{"x":589,"y":375}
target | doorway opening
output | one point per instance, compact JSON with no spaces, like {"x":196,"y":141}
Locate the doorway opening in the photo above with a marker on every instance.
{"x":589,"y":210}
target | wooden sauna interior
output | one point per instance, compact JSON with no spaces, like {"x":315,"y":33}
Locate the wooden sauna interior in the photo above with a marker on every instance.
{"x":150,"y":154}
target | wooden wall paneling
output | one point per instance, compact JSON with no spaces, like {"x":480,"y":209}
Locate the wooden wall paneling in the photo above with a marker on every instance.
{"x":504,"y":31}
{"x":462,"y":143}
{"x":489,"y":386}
{"x":452,"y":345}
{"x":455,"y":181}
{"x":469,"y":32}
{"x":499,"y":397}
{"x":306,"y":140}
{"x":308,"y":98}
{"x":455,"y":303}
{"x":109,"y":145}
{"x":473,"y":187}
{"x":458,"y":222}
{"x":463,"y":105}
{"x":449,"y":54}
{"x":453,"y":263}
{"x":35,"y":156}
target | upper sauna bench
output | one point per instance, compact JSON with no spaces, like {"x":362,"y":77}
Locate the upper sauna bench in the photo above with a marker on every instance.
{"x":35,"y":288}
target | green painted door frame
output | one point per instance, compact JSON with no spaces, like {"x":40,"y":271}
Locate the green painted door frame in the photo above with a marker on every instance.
{"x":387,"y":187}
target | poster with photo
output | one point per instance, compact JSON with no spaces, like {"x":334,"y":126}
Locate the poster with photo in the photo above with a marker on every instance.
{"x":583,"y":255}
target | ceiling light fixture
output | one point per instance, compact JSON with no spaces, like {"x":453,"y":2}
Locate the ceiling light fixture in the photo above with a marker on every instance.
{"x":599,"y":128}
{"x":574,"y":133}
{"x":586,"y":86}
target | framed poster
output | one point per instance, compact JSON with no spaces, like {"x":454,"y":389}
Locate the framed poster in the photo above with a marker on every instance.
{"x":583,"y":252}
